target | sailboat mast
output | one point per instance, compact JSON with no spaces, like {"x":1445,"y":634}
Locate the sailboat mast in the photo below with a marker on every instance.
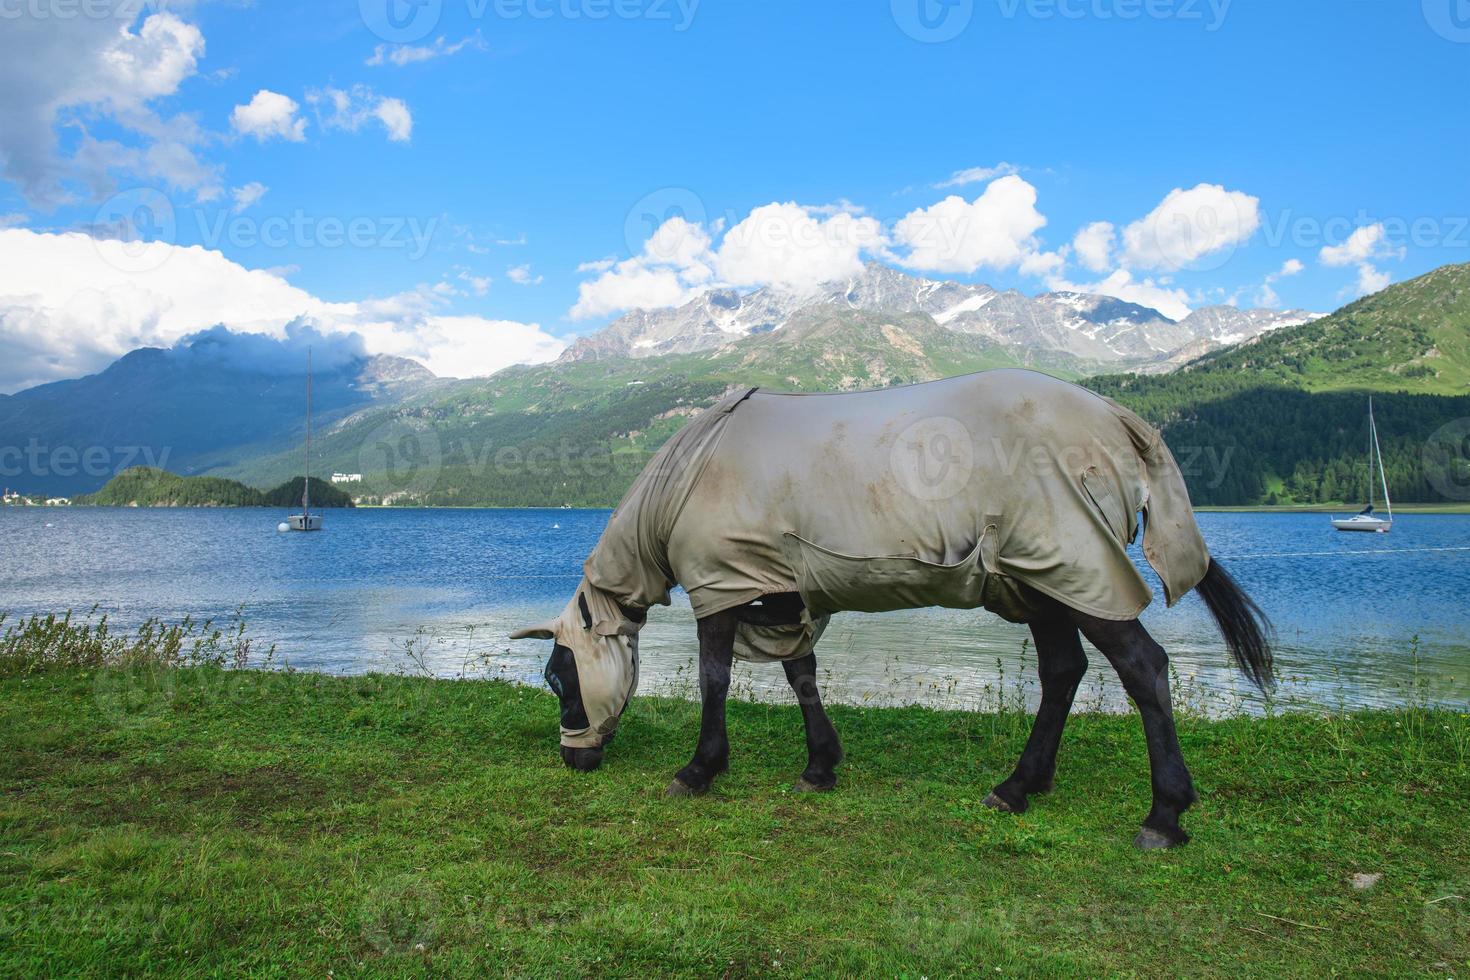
{"x":1382,"y":470}
{"x":1370,"y":452}
{"x":306,"y":487}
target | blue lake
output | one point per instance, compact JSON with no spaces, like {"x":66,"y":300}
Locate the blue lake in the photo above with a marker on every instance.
{"x":396,"y":589}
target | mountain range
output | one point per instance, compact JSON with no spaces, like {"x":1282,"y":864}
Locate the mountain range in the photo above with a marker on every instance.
{"x":1284,"y":406}
{"x":1093,"y":331}
{"x":191,"y":409}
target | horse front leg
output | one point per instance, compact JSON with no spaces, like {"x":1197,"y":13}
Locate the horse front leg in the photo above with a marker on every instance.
{"x":712,"y":754}
{"x":1060,"y":663}
{"x":1143,"y":666}
{"x":823,"y":750}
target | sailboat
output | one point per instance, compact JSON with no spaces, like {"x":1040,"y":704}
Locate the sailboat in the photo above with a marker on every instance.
{"x":306,"y":520}
{"x":1366,"y":519}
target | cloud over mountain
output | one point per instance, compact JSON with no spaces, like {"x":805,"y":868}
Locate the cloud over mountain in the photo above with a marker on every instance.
{"x":70,"y":304}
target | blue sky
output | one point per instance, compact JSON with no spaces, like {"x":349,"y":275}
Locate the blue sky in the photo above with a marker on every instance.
{"x":521,"y":140}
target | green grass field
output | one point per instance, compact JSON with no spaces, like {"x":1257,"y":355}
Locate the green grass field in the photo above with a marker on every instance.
{"x":201,"y":821}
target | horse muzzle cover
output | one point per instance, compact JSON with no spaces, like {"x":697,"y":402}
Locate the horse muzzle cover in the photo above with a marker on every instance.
{"x":604,"y":642}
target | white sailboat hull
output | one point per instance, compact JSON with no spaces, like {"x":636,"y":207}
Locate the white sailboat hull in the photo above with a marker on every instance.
{"x":1360,"y":523}
{"x":304,"y":522}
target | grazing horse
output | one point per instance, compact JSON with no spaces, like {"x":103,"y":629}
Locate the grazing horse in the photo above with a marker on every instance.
{"x":1008,"y":490}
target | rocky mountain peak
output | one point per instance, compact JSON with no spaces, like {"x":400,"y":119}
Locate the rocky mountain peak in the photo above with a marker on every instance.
{"x":1088,"y":326}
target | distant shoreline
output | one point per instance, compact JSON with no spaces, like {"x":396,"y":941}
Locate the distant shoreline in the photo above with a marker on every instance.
{"x":1344,"y":509}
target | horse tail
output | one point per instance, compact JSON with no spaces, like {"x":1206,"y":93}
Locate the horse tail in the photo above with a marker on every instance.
{"x":1245,"y":628}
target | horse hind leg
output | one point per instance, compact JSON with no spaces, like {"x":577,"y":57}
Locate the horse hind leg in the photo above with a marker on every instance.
{"x":1143,"y":666}
{"x":823,"y":750}
{"x":1061,"y":664}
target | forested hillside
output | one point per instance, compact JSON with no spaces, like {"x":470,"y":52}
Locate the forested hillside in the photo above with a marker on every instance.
{"x":1285,"y":418}
{"x":1284,"y":445}
{"x":144,"y":486}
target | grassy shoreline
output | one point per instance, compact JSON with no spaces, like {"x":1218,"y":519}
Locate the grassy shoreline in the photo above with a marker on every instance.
{"x":207,"y":821}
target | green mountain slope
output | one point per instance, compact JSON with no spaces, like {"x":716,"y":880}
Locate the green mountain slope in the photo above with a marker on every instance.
{"x":1285,"y":418}
{"x":1413,"y":336}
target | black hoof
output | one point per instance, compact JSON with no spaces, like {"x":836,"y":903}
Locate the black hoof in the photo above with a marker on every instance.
{"x":804,"y":785}
{"x":680,"y":788}
{"x":996,"y":802}
{"x":1149,"y":839}
{"x":582,"y":760}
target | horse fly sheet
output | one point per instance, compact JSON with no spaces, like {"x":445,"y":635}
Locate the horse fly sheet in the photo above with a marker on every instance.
{"x":951,"y":493}
{"x":959,"y":493}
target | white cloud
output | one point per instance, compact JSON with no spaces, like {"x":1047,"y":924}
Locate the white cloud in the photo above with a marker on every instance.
{"x":521,"y":274}
{"x":468,"y":346}
{"x":787,"y":246}
{"x":1094,"y":245}
{"x":1371,"y":280}
{"x":55,"y":69}
{"x":993,"y":231}
{"x":1266,"y":296}
{"x":1189,"y":225}
{"x":1159,"y":295}
{"x":1365,"y":245}
{"x":68,"y":307}
{"x":248,"y":194}
{"x":671,"y":269}
{"x":139,"y":67}
{"x":269,"y":115}
{"x":400,"y":55}
{"x":1367,"y":242}
{"x":395,"y":117}
{"x":632,"y":285}
{"x":1043,"y":265}
{"x":350,"y":109}
{"x":480,"y":284}
{"x":977,"y":175}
